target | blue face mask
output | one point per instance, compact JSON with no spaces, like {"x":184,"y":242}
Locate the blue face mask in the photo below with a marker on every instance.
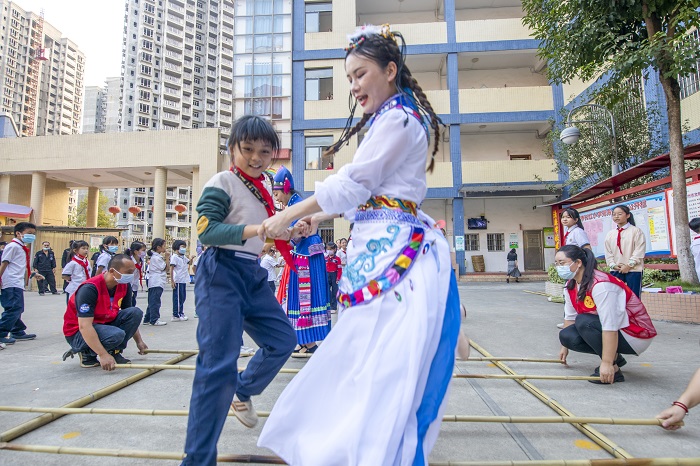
{"x":28,"y":238}
{"x":112,"y":249}
{"x":183,"y":251}
{"x":125,"y":278}
{"x":565,"y":272}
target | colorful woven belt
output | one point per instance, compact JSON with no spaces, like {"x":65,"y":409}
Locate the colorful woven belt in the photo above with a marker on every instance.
{"x":384,"y":202}
{"x":391,"y":276}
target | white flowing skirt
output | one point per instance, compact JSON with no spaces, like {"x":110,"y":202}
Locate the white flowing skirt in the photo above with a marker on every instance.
{"x":356,"y":401}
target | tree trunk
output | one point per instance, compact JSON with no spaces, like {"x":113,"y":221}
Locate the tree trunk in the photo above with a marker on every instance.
{"x":686,"y":263}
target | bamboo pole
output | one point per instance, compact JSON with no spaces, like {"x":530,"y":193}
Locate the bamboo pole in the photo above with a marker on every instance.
{"x":295,"y":371}
{"x":145,"y":454}
{"x":446,"y":418}
{"x":40,"y":421}
{"x":596,"y":436}
{"x":605,"y":462}
{"x":493,"y":358}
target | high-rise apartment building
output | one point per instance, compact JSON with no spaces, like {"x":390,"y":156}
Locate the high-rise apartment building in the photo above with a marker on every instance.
{"x":94,"y":114}
{"x":42,"y":74}
{"x":113,"y":108}
{"x":140,"y":224}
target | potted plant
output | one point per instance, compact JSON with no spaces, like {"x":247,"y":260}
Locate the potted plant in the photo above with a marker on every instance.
{"x":554,"y":286}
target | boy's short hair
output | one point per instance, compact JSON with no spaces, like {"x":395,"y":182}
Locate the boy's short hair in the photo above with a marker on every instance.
{"x":331,"y":245}
{"x":253,"y":128}
{"x":21,"y":227}
{"x":694,"y":224}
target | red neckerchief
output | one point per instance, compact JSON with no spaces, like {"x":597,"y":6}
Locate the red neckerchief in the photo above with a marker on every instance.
{"x":26,"y":253}
{"x":565,"y":235}
{"x":256,"y":187}
{"x":82,"y":261}
{"x":696,"y":237}
{"x":619,"y":238}
{"x":139,"y":265}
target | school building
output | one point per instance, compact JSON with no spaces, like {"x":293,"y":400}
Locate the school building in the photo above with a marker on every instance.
{"x":479,"y":68}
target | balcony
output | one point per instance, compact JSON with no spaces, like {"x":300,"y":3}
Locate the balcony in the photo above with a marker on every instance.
{"x":491,"y":30}
{"x":506,"y":99}
{"x":440,"y":100}
{"x":509,"y":171}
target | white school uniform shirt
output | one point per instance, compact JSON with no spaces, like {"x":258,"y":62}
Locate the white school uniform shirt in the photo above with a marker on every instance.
{"x":576,"y":236}
{"x":137,"y":278}
{"x":16,"y":270}
{"x":694,"y":249}
{"x":77,"y":275}
{"x":103,"y":260}
{"x":269,"y":263}
{"x":180,"y":274}
{"x":156,"y":271}
{"x":611,"y":305}
{"x":343,"y":257}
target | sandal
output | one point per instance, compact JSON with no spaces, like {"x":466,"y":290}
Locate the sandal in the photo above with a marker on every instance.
{"x":304,"y":351}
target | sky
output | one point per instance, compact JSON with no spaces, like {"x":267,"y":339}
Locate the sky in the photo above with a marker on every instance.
{"x":96,"y":26}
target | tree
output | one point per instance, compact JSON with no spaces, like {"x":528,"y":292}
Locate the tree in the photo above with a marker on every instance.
{"x":104,"y":218}
{"x":621,"y":40}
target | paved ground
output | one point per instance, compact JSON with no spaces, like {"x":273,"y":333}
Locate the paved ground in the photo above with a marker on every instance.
{"x":502,"y":318}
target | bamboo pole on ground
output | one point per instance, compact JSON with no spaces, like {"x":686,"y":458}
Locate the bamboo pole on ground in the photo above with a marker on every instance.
{"x":446,"y":417}
{"x":295,"y":371}
{"x":145,"y":454}
{"x":40,"y":421}
{"x":493,"y":358}
{"x":597,"y":437}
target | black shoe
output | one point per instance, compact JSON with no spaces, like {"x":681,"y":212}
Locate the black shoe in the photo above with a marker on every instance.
{"x":620,"y":361}
{"x":23,"y":337}
{"x":118,"y":358}
{"x":88,"y":360}
{"x":41,"y":294}
{"x":55,"y":292}
{"x":507,"y":280}
{"x":617,"y":379}
{"x":69,"y":354}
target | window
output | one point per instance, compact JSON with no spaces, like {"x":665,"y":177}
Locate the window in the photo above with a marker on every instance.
{"x":495,"y":242}
{"x":519,"y":156}
{"x":319,"y":17}
{"x":471,"y":242}
{"x":315,"y":146}
{"x":319,"y":84}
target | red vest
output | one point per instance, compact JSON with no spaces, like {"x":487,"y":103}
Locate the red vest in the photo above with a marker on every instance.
{"x":106,"y":309}
{"x":640,"y":325}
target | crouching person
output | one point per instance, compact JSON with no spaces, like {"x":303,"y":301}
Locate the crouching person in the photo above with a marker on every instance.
{"x":101,"y":317}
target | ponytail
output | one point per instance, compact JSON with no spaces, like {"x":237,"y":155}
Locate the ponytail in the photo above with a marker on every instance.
{"x":157,"y":242}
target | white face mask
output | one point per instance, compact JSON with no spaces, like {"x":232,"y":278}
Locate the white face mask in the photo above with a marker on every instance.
{"x":564,"y":271}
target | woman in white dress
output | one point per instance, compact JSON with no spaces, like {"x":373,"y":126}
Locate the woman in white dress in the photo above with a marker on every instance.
{"x":384,"y":370}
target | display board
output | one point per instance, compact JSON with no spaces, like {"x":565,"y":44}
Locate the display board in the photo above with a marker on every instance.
{"x":693,"y":208}
{"x":650,"y":216}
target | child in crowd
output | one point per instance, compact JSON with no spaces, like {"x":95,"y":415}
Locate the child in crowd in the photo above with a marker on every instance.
{"x":231,"y":292}
{"x":334,"y":271}
{"x":179,"y":277}
{"x":14,"y":276}
{"x":156,"y":282}
{"x":137,"y":251}
{"x":77,"y":269}
{"x":110,"y":245}
{"x":269,"y":262}
{"x":625,"y":248}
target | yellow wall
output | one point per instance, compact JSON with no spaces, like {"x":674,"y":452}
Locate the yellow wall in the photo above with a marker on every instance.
{"x":690,"y":111}
{"x":55,"y":198}
{"x":508,"y":171}
{"x":574,"y":88}
{"x":506,"y":99}
{"x":491,"y":30}
{"x":343,"y":23}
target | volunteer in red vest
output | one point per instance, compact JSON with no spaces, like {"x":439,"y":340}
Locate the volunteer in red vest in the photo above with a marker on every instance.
{"x":602,"y":315}
{"x":101,"y":318}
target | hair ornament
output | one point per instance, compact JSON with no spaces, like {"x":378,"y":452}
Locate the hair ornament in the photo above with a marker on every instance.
{"x":360,"y":35}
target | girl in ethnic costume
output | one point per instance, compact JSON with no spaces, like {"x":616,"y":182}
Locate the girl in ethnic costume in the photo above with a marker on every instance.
{"x":307,"y":304}
{"x":232,"y":294}
{"x":385,"y":369}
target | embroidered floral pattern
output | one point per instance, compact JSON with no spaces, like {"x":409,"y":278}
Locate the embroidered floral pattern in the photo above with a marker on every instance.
{"x":365,"y":262}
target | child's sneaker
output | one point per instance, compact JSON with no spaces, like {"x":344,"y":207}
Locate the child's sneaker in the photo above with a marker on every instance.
{"x":183,"y":317}
{"x":245,"y":412}
{"x":246,"y":351}
{"x":195,"y":315}
{"x":158,"y":323}
{"x":176,"y":319}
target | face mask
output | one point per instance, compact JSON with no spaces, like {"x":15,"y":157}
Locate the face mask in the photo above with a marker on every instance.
{"x":112,"y":249}
{"x":28,"y":238}
{"x":125,"y":278}
{"x":565,"y":272}
{"x":142,"y":254}
{"x":46,"y":248}
{"x":183,"y":251}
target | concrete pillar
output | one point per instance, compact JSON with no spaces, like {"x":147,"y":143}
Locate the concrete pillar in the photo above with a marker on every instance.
{"x":5,"y":188}
{"x":36,"y":198}
{"x":93,"y":206}
{"x":196,"y":191}
{"x":159,"y":191}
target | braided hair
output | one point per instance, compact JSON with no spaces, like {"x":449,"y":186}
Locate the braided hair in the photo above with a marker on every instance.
{"x":383,"y":48}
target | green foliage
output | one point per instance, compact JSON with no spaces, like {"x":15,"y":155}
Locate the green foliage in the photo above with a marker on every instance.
{"x":104,"y":218}
{"x":655,"y":275}
{"x":685,"y":285}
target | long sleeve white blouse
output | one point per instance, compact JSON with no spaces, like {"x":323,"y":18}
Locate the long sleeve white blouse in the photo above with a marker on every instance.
{"x":390,"y":161}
